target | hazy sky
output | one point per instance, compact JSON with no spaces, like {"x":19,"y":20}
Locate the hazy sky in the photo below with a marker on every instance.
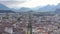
{"x":28,"y":3}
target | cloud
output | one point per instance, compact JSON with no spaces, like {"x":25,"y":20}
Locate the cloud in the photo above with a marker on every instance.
{"x":35,"y":3}
{"x":29,"y":3}
{"x":12,"y":1}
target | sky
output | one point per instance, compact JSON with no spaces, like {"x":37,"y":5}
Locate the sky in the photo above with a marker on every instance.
{"x":28,"y":3}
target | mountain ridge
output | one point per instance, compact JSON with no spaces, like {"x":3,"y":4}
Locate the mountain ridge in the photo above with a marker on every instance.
{"x":5,"y":9}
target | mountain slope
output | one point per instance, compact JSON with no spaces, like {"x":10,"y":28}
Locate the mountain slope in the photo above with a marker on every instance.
{"x":47,"y":8}
{"x":5,"y":9}
{"x":24,"y":9}
{"x":57,"y":11}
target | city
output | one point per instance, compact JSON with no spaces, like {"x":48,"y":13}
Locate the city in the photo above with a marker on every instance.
{"x":29,"y":16}
{"x":17,"y":23}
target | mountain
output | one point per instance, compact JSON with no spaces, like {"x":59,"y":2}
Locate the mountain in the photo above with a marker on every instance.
{"x":22,"y":9}
{"x":58,"y":6}
{"x":57,"y":11}
{"x":5,"y":9}
{"x":47,"y":8}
